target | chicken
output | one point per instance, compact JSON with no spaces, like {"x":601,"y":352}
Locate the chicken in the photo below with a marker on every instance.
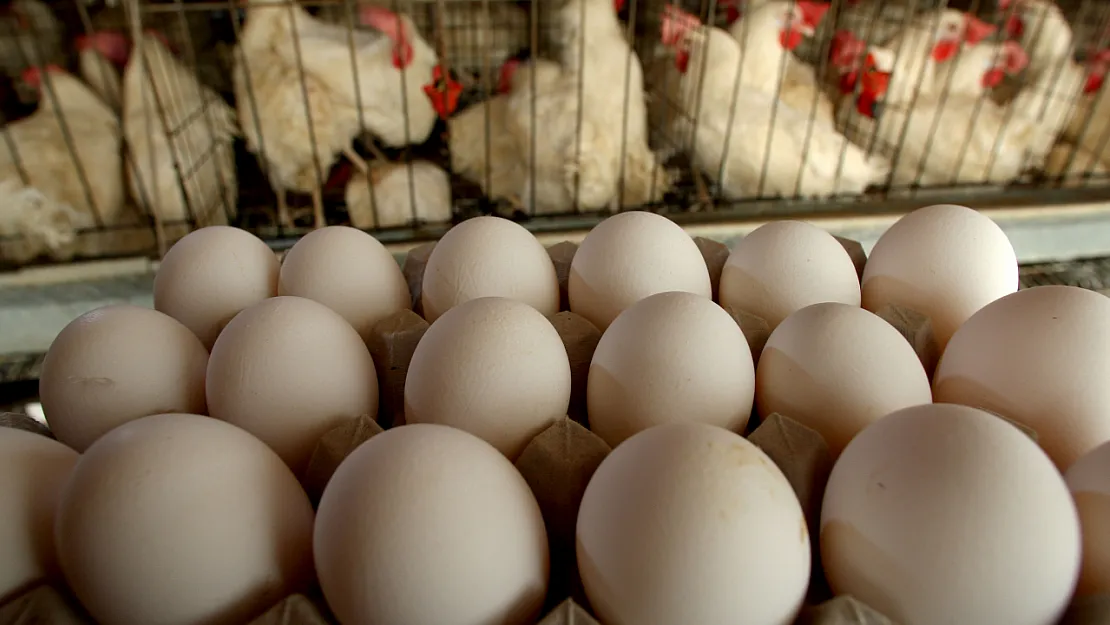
{"x":736,"y":126}
{"x":1041,"y":29}
{"x":483,"y":151}
{"x":767,"y":36}
{"x":944,"y":52}
{"x":290,"y":62}
{"x":30,"y":36}
{"x":992,"y":145}
{"x":60,"y":181}
{"x":1051,"y":98}
{"x":98,"y":56}
{"x":180,"y":135}
{"x":477,"y":36}
{"x":1073,"y":166}
{"x":386,"y":201}
{"x":1089,"y":126}
{"x":872,"y":20}
{"x":586,"y":149}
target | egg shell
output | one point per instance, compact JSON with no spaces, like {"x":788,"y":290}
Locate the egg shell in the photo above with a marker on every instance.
{"x":288,"y":370}
{"x":489,"y":257}
{"x":348,"y":271}
{"x":33,"y":470}
{"x":691,"y":523}
{"x":784,"y":266}
{"x":670,"y":357}
{"x":1037,"y":357}
{"x":628,"y":257}
{"x":947,"y":514}
{"x":116,"y":364}
{"x":1089,"y":481}
{"x":837,"y":368}
{"x":945,"y":262}
{"x":493,"y":367}
{"x":182,"y":519}
{"x":210,"y":275}
{"x":424,"y":525}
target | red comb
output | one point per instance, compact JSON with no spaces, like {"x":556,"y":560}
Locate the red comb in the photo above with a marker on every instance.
{"x":676,"y":23}
{"x":976,"y":30}
{"x":505,"y":76}
{"x":33,"y":75}
{"x":1014,"y":57}
{"x":812,"y":12}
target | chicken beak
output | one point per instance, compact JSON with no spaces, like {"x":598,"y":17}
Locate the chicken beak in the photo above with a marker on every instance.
{"x":976,"y":30}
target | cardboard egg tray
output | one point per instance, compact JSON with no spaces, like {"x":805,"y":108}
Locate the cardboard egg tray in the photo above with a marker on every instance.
{"x":559,"y":462}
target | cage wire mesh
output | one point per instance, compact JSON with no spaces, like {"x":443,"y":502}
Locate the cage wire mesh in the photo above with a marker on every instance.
{"x":131,"y":122}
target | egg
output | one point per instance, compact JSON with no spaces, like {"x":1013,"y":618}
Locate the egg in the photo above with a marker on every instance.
{"x":1089,"y":481}
{"x":116,"y":364}
{"x":288,"y":370}
{"x":945,"y":262}
{"x":489,"y":257}
{"x":628,"y":257}
{"x":691,"y":523}
{"x":1037,"y":357}
{"x":179,"y":520}
{"x":947,"y":514}
{"x":210,"y":275}
{"x":493,"y":367}
{"x":784,"y":266}
{"x":670,"y":357}
{"x":426,"y":524}
{"x":33,"y":471}
{"x":348,"y":271}
{"x":837,"y":368}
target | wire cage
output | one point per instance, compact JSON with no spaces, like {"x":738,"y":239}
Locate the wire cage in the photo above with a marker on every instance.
{"x":128,"y":123}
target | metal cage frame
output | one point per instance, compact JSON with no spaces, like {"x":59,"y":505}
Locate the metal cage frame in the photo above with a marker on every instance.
{"x":694,"y":200}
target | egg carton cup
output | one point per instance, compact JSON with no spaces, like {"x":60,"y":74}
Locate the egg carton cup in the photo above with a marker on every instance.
{"x":560,"y":461}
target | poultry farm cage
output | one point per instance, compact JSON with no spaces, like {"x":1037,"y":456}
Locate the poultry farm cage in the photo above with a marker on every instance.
{"x":128,"y":123}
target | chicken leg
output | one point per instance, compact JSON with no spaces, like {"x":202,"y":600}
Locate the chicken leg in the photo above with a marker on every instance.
{"x":319,"y":219}
{"x":285,"y":219}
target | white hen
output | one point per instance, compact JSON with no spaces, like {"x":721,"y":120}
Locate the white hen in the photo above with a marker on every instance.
{"x":180,"y":135}
{"x":399,"y":194}
{"x":731,"y":139}
{"x":301,"y":102}
{"x":98,"y":55}
{"x":65,"y":190}
{"x":597,"y":65}
{"x":942,"y":141}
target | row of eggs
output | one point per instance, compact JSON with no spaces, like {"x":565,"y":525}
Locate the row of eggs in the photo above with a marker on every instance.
{"x":288,"y":368}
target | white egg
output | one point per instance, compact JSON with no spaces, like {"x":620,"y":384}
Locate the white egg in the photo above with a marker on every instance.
{"x":1037,"y":357}
{"x":348,"y":271}
{"x":1089,"y":481}
{"x":210,"y":275}
{"x":785,"y":266}
{"x":670,"y":357}
{"x":945,"y":262}
{"x":628,"y":257}
{"x":493,"y":367}
{"x":182,"y":519}
{"x":836,"y":369}
{"x":690,"y":523}
{"x":426,"y":524}
{"x":489,"y":257}
{"x":946,"y":514}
